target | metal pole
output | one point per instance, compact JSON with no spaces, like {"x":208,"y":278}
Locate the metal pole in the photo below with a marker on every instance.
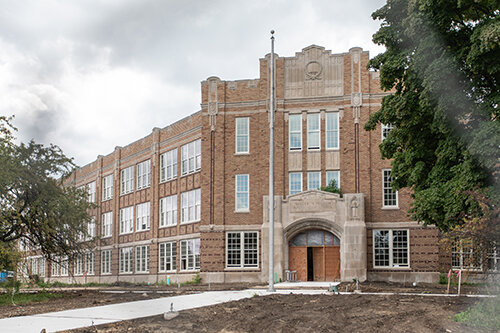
{"x":271,"y":172}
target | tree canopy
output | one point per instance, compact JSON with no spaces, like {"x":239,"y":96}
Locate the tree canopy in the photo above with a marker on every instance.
{"x":35,"y":206}
{"x":442,"y":61}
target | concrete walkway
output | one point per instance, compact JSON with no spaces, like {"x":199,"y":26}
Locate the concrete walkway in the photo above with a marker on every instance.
{"x":70,"y":319}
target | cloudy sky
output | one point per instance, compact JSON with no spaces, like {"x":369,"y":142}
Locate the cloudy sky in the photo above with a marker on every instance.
{"x":89,"y":75}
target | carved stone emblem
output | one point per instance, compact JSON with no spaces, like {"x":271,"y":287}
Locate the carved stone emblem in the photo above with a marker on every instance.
{"x":356,"y":99}
{"x":313,"y":70}
{"x":212,"y":108}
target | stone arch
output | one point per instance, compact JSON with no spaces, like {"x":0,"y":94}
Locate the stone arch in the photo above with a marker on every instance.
{"x":303,"y":224}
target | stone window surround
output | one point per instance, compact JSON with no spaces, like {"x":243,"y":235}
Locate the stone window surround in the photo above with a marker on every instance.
{"x":391,"y":248}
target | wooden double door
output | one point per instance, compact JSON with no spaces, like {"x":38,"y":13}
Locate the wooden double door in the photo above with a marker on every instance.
{"x":315,"y":263}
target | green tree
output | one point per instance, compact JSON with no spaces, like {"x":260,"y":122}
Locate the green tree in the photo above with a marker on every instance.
{"x":36,"y":208}
{"x":442,"y":62}
{"x":332,"y":188}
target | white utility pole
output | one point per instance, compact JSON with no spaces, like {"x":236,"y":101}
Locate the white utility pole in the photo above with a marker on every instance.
{"x":271,"y":172}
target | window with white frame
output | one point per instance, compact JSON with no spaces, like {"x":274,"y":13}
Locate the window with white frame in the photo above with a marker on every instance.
{"x":333,"y":176}
{"x":127,"y":180}
{"x":89,"y":263}
{"x":190,"y":254}
{"x":390,"y":196}
{"x":91,"y":228}
{"x":59,"y":266}
{"x":78,"y":269}
{"x":107,"y":187}
{"x":143,"y":213}
{"x":464,"y":255}
{"x":242,"y":249}
{"x":313,"y":131}
{"x":126,"y":220}
{"x":391,"y":248}
{"x":313,"y":180}
{"x":142,"y":259}
{"x":191,"y":157}
{"x":191,"y":206}
{"x":295,"y":182}
{"x":126,"y":260}
{"x":64,"y":266}
{"x":295,"y":131}
{"x":332,"y":130}
{"x":168,"y":165}
{"x":494,"y":258}
{"x":167,"y":257}
{"x":242,"y":135}
{"x":106,"y":224}
{"x":106,"y":261}
{"x":168,"y":211}
{"x":242,"y":193}
{"x":386,"y":128}
{"x":91,"y":189}
{"x":143,"y":174}
{"x":38,"y":266}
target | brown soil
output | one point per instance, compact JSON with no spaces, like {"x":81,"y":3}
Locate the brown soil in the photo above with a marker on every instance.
{"x":309,"y":313}
{"x":87,"y":297}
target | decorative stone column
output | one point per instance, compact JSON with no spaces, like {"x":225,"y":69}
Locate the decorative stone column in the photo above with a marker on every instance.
{"x":353,"y":243}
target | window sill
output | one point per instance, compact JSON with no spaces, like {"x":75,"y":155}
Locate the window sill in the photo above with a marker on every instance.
{"x":167,"y":226}
{"x":126,"y":233}
{"x":242,"y":154}
{"x":141,"y":273}
{"x":190,"y":271}
{"x":122,"y":194}
{"x":125,"y":273}
{"x":143,"y":230}
{"x":314,"y":149}
{"x":333,"y":149}
{"x":104,"y":200}
{"x":393,"y":268}
{"x":167,"y":272}
{"x":242,"y":211}
{"x":295,"y":150}
{"x":190,"y":222}
{"x":167,"y":180}
{"x":143,"y":188}
{"x":106,"y":237}
{"x":390,"y":208}
{"x":233,"y":269}
{"x":105,"y":273}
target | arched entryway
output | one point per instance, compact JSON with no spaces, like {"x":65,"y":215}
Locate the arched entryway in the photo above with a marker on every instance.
{"x":315,"y":255}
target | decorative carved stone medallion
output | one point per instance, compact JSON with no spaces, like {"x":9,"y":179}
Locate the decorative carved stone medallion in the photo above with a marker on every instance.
{"x":313,"y":70}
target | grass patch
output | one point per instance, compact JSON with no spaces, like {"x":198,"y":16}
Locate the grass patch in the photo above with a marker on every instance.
{"x":6,"y":299}
{"x":482,"y":314}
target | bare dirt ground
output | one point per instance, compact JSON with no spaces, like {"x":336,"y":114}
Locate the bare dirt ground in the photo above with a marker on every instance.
{"x":87,"y":297}
{"x":283,"y":313}
{"x":309,"y":313}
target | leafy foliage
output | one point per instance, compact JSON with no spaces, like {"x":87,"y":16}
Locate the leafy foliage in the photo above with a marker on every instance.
{"x":442,"y":64}
{"x":332,"y":188}
{"x":35,"y":207}
{"x":483,"y":313}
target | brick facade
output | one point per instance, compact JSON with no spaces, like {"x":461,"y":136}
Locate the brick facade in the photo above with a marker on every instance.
{"x":313,"y":81}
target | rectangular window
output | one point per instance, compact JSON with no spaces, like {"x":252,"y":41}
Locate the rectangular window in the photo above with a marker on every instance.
{"x":64,"y":266}
{"x":295,"y":131}
{"x":242,"y":135}
{"x":242,"y":249}
{"x":242,"y":192}
{"x":106,"y":261}
{"x":143,"y":213}
{"x":142,"y":259}
{"x":89,"y":263}
{"x":78,"y":270}
{"x":313,"y":180}
{"x":127,"y":180}
{"x":91,"y":189}
{"x":168,"y":257}
{"x":390,"y":248}
{"x":295,"y":182}
{"x":126,"y":260}
{"x":168,"y":165}
{"x":494,"y":258}
{"x":143,"y":174}
{"x":107,"y":187}
{"x":464,"y":256}
{"x":390,"y":196}
{"x":107,"y":224}
{"x":55,"y":266}
{"x":332,"y":130}
{"x":190,"y":254}
{"x":91,"y":228}
{"x":38,"y":266}
{"x":126,"y":220}
{"x":191,"y":206}
{"x":333,"y":176}
{"x":313,"y":131}
{"x":191,"y":157}
{"x":168,"y":211}
{"x":386,"y":128}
